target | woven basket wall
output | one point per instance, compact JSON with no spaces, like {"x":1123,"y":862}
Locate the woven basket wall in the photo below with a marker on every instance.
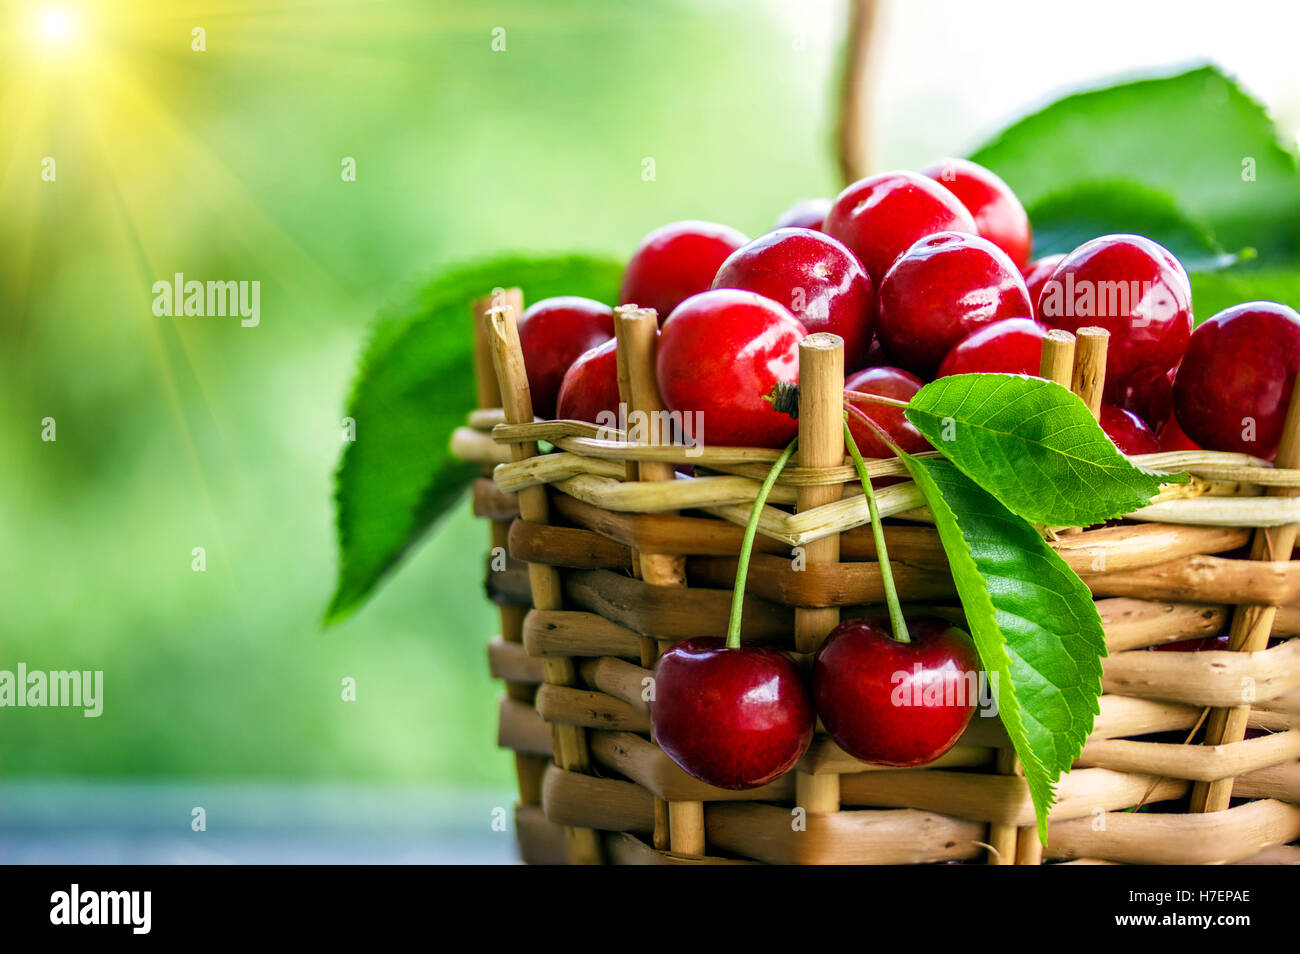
{"x":580,"y":625}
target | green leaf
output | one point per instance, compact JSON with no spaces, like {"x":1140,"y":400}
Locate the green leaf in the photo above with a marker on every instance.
{"x":1065,"y":220}
{"x":1033,"y":622}
{"x":1034,"y":446}
{"x":1214,"y":291}
{"x":415,"y":386}
{"x":1196,"y":136}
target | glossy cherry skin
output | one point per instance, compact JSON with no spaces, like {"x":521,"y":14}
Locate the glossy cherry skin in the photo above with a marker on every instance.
{"x":998,"y":214}
{"x":1172,"y":437}
{"x":1150,"y":395}
{"x":1010,"y":346}
{"x":819,"y":280}
{"x":720,"y":353}
{"x":1240,"y":368}
{"x":872,"y":699}
{"x":590,"y":387}
{"x":1129,"y":432}
{"x":881,"y":216}
{"x":552,"y":334}
{"x":1132,"y":287}
{"x":891,"y":383}
{"x":941,"y":290}
{"x":676,"y":261}
{"x":734,"y":718}
{"x":1198,"y":644}
{"x":1036,"y":274}
{"x":804,"y":214}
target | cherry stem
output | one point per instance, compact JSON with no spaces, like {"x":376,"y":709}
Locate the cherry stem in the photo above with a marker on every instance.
{"x":877,"y":531}
{"x":747,"y":545}
{"x":875,"y":398}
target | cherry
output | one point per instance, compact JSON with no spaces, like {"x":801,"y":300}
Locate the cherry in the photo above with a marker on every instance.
{"x":1150,"y":395}
{"x":893,"y":703}
{"x":590,"y":386}
{"x":891,"y":383}
{"x":1133,"y":288}
{"x":1128,"y":431}
{"x":998,"y":214}
{"x":939,"y":291}
{"x":677,"y":261}
{"x":1036,"y":274}
{"x":1197,"y":644}
{"x":1012,"y":346}
{"x":1234,"y":386}
{"x":1172,"y":437}
{"x":804,"y":214}
{"x":879,"y":217}
{"x":814,"y":276}
{"x":734,"y":718}
{"x":553,"y":333}
{"x":720,"y":353}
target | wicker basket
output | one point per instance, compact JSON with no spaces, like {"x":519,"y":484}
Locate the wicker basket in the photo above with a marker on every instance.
{"x":611,"y":559}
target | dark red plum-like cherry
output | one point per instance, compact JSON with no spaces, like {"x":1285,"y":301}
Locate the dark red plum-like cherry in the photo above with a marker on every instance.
{"x":939,"y":291}
{"x":892,"y":703}
{"x":1132,"y":287}
{"x":734,"y":718}
{"x":881,"y":216}
{"x":1150,"y":395}
{"x":891,"y":383}
{"x":804,"y":214}
{"x":1011,"y":346}
{"x":552,"y":334}
{"x":819,"y":280}
{"x":1129,"y":432}
{"x":676,"y":261}
{"x":1036,"y":274}
{"x":1234,"y":386}
{"x":720,"y":354}
{"x":1172,"y":437}
{"x":590,"y":387}
{"x":998,"y":214}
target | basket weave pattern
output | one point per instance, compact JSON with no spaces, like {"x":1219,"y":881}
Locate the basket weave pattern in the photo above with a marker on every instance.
{"x":609,"y":562}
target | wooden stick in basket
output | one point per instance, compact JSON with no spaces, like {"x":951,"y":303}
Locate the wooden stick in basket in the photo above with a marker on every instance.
{"x":528,"y":768}
{"x":1011,"y":845}
{"x":637,"y":329}
{"x":570,"y":742}
{"x":821,"y":444}
{"x":1251,"y":625}
{"x":1089,"y":377}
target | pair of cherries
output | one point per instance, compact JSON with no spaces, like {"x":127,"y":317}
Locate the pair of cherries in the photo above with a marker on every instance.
{"x":740,"y":718}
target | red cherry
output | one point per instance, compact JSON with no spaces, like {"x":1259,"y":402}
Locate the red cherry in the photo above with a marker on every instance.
{"x":677,"y":261}
{"x":1128,"y":431}
{"x":552,"y":334}
{"x":1012,"y":346}
{"x":891,"y":383}
{"x":590,"y":387}
{"x":734,"y":718}
{"x":892,"y":703}
{"x":879,"y":217}
{"x":814,"y":276}
{"x":1198,"y":644}
{"x":1172,"y":437}
{"x":998,"y":214}
{"x":1234,"y":386}
{"x":804,"y":214}
{"x":942,"y":289}
{"x":1133,"y":288}
{"x":1150,"y":395}
{"x":720,"y":353}
{"x":1036,"y":274}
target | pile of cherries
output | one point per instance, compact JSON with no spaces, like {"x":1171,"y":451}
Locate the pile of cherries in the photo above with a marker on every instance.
{"x":923,"y":275}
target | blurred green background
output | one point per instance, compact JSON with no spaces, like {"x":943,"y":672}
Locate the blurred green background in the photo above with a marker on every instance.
{"x":225,"y":164}
{"x":179,"y":433}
